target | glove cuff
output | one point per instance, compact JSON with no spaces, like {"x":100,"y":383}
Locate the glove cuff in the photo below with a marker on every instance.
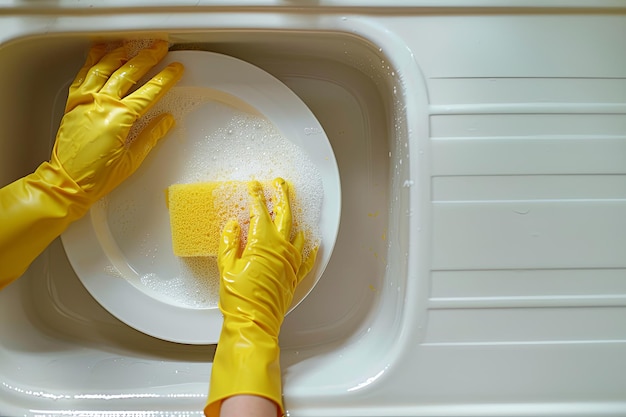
{"x":247,"y":361}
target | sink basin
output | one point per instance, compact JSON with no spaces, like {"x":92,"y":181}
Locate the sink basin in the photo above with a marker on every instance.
{"x":61,"y":350}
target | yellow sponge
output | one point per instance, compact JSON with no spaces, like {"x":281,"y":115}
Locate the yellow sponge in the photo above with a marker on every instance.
{"x":199,"y":212}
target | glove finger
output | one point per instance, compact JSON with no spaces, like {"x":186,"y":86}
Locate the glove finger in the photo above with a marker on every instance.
{"x":282,"y":209}
{"x":148,"y":138}
{"x":132,"y":71}
{"x":99,"y":74}
{"x":259,"y":216}
{"x":96,"y":52}
{"x":229,"y":245}
{"x":307,"y":264}
{"x":141,"y":100}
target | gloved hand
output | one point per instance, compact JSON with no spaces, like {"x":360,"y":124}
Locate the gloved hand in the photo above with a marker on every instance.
{"x":256,"y":289}
{"x":90,"y":156}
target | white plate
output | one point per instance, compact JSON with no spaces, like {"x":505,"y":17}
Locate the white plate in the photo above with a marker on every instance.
{"x":113,"y":265}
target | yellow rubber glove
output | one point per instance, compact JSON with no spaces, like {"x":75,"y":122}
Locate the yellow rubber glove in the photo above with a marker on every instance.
{"x":90,"y":155}
{"x":256,"y":289}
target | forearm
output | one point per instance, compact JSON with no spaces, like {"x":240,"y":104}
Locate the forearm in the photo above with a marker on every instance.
{"x":248,"y":406}
{"x":34,"y":210}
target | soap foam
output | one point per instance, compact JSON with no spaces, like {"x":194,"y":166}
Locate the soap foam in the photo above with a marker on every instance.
{"x":246,"y":147}
{"x":179,"y":102}
{"x":131,"y":46}
{"x":134,"y":46}
{"x":196,"y":286}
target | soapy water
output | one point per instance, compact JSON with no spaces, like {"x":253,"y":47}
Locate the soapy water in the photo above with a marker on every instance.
{"x":245,"y":147}
{"x":250,"y":148}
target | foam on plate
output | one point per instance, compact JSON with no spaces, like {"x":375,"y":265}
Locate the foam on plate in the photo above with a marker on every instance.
{"x":245,"y":147}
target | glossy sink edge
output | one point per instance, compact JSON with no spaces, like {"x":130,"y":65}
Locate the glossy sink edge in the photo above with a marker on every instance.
{"x":362,"y":358}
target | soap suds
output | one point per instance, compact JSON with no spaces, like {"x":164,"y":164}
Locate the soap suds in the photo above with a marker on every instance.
{"x":246,"y":147}
{"x":251,"y":148}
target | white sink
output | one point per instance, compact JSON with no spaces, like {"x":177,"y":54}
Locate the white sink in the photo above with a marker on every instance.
{"x":69,"y":353}
{"x":456,"y":287}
